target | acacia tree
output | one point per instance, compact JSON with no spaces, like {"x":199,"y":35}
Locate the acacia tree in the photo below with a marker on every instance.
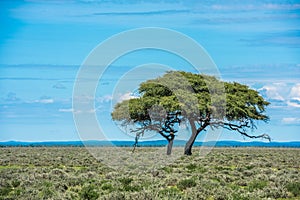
{"x":200,"y":100}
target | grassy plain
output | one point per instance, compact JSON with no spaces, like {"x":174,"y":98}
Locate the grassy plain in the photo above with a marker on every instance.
{"x":225,"y":173}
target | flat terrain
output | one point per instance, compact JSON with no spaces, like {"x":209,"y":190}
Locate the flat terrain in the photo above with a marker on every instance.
{"x":225,"y":173}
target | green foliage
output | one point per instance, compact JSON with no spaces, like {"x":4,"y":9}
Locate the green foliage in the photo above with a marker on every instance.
{"x":128,"y":186}
{"x":125,"y":180}
{"x":186,"y":183}
{"x":168,"y":169}
{"x":195,"y":96}
{"x":47,"y":191}
{"x":180,"y":90}
{"x":239,"y":197}
{"x":89,"y":192}
{"x":244,"y":103}
{"x":249,"y":167}
{"x":191,"y":167}
{"x":171,"y":192}
{"x":107,"y":186}
{"x":294,"y":188}
{"x":5,"y":190}
{"x":257,"y":185}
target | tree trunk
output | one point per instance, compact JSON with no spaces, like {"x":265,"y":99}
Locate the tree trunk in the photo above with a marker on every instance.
{"x":189,"y":145}
{"x":170,"y":145}
{"x":191,"y":141}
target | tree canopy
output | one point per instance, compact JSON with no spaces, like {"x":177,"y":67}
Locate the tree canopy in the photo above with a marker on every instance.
{"x":201,"y":100}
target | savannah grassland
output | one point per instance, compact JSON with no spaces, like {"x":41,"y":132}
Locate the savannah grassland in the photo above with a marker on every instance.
{"x":225,"y":173}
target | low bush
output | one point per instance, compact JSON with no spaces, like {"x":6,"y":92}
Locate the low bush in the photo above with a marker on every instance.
{"x":294,"y":188}
{"x":89,"y":192}
{"x":186,"y":183}
{"x":257,"y":185}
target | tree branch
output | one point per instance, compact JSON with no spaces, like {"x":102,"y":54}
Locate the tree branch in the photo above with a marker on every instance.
{"x":167,"y":130}
{"x":240,"y":129}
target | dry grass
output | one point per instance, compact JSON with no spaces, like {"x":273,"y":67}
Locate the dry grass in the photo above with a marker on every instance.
{"x":225,"y":173}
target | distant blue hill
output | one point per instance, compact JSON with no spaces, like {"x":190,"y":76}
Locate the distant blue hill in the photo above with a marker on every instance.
{"x":156,"y":143}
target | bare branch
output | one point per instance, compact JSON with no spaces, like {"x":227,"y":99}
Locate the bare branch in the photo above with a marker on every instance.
{"x":165,"y":127}
{"x":241,"y":128}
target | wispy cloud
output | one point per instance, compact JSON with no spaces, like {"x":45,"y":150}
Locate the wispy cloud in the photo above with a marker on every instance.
{"x":273,"y":92}
{"x":66,"y":110}
{"x":143,"y":13}
{"x":126,"y":96}
{"x":104,"y":99}
{"x":294,"y":97}
{"x":288,"y":38}
{"x":59,"y":85}
{"x":291,"y":120}
{"x":159,"y":11}
{"x":268,"y":74}
{"x":294,"y":103}
{"x":45,"y":100}
{"x":11,"y":97}
{"x":254,"y":6}
{"x":282,"y":94}
{"x":295,"y":92}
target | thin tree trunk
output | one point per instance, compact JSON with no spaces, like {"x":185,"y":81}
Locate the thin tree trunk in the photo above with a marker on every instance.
{"x":170,"y":139}
{"x":170,"y":145}
{"x":191,"y":141}
{"x":189,"y":145}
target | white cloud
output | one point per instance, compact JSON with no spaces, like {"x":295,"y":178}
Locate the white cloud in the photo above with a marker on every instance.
{"x":66,"y":110}
{"x":153,"y":13}
{"x":83,"y":99}
{"x":104,"y":99}
{"x":84,"y":111}
{"x":290,"y":120}
{"x":294,"y":96}
{"x":273,"y":91}
{"x":126,"y":96}
{"x":272,"y":6}
{"x":295,"y":92}
{"x":294,"y":103}
{"x":45,"y":100}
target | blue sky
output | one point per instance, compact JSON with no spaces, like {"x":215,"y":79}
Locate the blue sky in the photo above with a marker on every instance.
{"x":43,"y":43}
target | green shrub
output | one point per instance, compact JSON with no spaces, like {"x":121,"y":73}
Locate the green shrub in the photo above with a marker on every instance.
{"x":125,"y":180}
{"x":15,"y":183}
{"x":127,"y":185}
{"x":191,"y":167}
{"x":47,"y":191}
{"x":186,"y":183}
{"x":294,"y":188}
{"x":168,"y":169}
{"x":107,"y":186}
{"x":170,"y":192}
{"x":239,"y":197}
{"x":89,"y":192}
{"x":5,"y":191}
{"x":132,"y":188}
{"x":249,"y":167}
{"x":202,"y":169}
{"x":256,"y":184}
